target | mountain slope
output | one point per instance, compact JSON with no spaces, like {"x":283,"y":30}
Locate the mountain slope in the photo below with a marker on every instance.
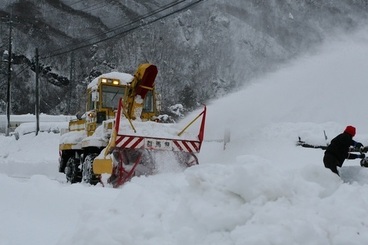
{"x":206,"y":51}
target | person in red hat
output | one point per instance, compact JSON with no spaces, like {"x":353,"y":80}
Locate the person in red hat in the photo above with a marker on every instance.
{"x":338,"y":150}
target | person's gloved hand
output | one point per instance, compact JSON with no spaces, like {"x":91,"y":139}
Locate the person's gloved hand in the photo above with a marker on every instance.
{"x":364,"y":163}
{"x":359,"y":145}
{"x":362,"y":156}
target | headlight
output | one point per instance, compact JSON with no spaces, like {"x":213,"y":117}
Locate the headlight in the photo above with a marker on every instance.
{"x":90,"y":115}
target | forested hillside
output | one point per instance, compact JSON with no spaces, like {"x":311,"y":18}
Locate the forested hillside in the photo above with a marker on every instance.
{"x":202,"y":48}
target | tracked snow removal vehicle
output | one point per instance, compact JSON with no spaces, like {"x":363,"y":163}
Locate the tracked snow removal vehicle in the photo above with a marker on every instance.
{"x":121,"y":136}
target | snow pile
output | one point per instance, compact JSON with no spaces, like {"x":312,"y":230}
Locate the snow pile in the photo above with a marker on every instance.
{"x":124,"y":78}
{"x":161,"y":130}
{"x":30,"y":127}
{"x":47,"y":123}
{"x":261,"y":190}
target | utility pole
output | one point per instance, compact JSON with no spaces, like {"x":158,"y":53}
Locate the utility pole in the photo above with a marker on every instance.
{"x":8,"y":94}
{"x":71,"y":79}
{"x":37,"y":104}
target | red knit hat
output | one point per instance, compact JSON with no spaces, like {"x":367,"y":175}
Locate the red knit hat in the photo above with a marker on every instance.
{"x":350,"y":130}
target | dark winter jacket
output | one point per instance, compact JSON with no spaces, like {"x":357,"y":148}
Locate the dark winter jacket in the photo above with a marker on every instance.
{"x":339,"y":147}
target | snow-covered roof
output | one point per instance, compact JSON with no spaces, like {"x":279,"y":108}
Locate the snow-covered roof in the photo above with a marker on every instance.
{"x":124,"y":78}
{"x":32,"y":118}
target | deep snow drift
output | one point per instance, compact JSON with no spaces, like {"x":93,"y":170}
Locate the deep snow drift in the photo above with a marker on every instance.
{"x":261,"y":190}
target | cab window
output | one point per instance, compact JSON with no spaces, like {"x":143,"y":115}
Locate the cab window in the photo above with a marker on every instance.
{"x":111,"y":96}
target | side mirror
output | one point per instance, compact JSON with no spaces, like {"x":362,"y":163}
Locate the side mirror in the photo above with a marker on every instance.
{"x":78,"y":115}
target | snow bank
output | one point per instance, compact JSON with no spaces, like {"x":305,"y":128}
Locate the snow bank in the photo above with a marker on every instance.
{"x":261,"y":190}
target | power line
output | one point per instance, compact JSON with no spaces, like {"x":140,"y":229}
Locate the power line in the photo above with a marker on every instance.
{"x":25,"y":67}
{"x":83,"y":44}
{"x":95,"y":6}
{"x":76,"y":2}
{"x":141,"y":18}
{"x":92,"y":7}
